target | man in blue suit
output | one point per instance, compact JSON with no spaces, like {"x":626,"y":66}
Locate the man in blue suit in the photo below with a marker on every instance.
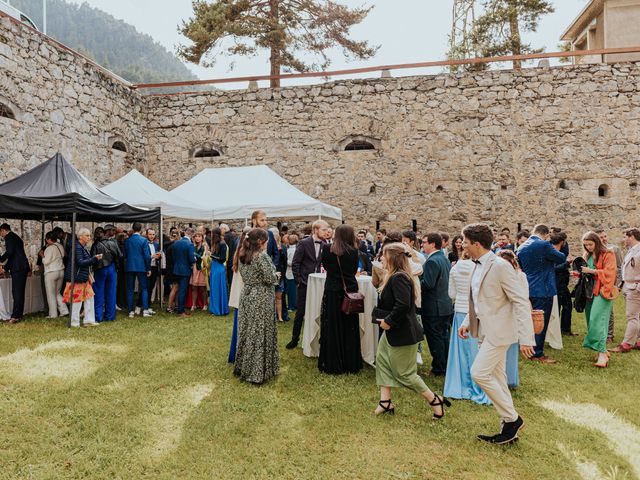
{"x":137,"y":266}
{"x":538,"y":259}
{"x":437,"y":308}
{"x":183,"y":254}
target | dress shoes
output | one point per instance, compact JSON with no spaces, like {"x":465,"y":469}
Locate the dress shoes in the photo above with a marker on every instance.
{"x":14,"y":320}
{"x":508,"y":435}
{"x":184,"y":315}
{"x":622,"y":348}
{"x":544,"y":359}
{"x":292,"y":344}
{"x":570,"y":334}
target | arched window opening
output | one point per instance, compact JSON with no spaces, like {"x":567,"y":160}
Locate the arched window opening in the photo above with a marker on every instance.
{"x":207,"y":152}
{"x":120,"y":146}
{"x":562,"y":184}
{"x":356,"y":145}
{"x":6,"y":112}
{"x":603,"y":191}
{"x":439,"y":188}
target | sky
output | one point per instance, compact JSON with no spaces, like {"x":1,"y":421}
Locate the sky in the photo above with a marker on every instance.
{"x":407,"y":31}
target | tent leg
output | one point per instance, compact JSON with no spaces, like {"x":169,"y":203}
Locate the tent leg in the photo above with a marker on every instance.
{"x":73,"y":261}
{"x":161,"y":276}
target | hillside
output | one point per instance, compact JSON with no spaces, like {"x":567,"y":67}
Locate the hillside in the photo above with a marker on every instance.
{"x":112,"y":43}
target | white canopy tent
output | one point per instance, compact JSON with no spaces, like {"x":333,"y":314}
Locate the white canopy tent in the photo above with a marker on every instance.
{"x":235,"y":192}
{"x":136,"y":189}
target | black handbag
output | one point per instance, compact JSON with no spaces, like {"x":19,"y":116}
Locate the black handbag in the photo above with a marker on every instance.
{"x":352,"y":302}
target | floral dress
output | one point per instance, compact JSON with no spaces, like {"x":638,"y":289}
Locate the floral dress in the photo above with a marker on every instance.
{"x":257,"y":358}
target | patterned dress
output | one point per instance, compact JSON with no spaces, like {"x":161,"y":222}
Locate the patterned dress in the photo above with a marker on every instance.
{"x":257,"y":358}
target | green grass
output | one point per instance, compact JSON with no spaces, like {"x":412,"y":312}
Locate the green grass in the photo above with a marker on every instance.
{"x":117,"y":401}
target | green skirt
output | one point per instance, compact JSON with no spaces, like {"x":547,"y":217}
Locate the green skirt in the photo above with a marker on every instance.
{"x":397,"y":366}
{"x":598,"y":313}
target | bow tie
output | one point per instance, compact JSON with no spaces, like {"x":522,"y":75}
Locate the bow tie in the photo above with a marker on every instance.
{"x":477,"y":262}
{"x":318,"y":241}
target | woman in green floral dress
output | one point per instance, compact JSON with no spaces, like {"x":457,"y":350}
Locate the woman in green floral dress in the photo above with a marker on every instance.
{"x":257,"y":358}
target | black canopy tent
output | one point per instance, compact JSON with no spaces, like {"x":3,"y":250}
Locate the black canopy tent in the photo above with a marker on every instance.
{"x":56,"y":191}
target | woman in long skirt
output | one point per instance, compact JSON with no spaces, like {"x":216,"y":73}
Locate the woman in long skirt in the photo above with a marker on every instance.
{"x":396,"y":364}
{"x":601,"y":263}
{"x":218,"y":296}
{"x":339,"y":332}
{"x":257,"y":358}
{"x":462,"y":352}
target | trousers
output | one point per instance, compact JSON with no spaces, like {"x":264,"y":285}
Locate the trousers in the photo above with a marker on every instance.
{"x":632,"y":333}
{"x":301,"y":302}
{"x":489,"y":372}
{"x":105,"y":293}
{"x":142,"y":289}
{"x":52,"y":284}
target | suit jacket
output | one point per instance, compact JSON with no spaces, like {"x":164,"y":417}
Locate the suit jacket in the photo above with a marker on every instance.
{"x":503,"y":308}
{"x":183,"y":253}
{"x":435,"y":286}
{"x":631,"y":269}
{"x":272,"y":250}
{"x":14,"y":254}
{"x":538,"y":259}
{"x":304,"y":261}
{"x":137,"y":254}
{"x":399,"y":309}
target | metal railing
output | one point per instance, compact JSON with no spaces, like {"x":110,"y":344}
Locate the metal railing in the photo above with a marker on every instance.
{"x":384,"y":68}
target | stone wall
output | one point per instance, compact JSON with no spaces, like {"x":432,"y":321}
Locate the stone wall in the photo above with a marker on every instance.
{"x":62,"y":102}
{"x":502,"y":147}
{"x":559,"y":145}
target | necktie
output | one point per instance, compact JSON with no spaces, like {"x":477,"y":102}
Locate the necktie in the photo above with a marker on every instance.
{"x":477,"y":262}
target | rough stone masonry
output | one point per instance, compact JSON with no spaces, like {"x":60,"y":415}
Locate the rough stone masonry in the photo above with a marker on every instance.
{"x":559,"y":145}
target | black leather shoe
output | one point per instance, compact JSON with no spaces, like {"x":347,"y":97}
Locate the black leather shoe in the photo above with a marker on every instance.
{"x":292,"y":344}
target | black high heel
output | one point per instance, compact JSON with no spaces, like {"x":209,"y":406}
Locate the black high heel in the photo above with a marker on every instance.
{"x":386,"y":407}
{"x":439,"y":402}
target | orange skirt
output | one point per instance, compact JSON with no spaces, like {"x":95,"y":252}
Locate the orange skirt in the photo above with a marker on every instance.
{"x":81,"y":292}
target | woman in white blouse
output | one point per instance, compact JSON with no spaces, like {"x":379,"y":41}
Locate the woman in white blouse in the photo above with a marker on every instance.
{"x":462,"y":352}
{"x":53,"y":261}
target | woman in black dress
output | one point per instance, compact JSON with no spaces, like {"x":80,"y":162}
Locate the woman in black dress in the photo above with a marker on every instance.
{"x":339,"y":333}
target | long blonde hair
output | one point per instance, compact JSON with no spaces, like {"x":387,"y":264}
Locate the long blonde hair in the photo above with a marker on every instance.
{"x":397,"y":258}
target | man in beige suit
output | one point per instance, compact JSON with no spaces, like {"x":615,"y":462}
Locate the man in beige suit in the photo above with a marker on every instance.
{"x":631,"y":291}
{"x":499,"y":315}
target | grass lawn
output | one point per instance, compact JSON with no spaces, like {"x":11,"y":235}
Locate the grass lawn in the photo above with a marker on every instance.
{"x":155,"y":398}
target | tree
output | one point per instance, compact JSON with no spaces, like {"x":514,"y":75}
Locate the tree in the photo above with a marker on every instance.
{"x":285,"y":27}
{"x":498,"y":30}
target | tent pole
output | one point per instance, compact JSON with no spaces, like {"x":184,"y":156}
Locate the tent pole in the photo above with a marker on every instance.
{"x":73,"y":261}
{"x":161,"y":276}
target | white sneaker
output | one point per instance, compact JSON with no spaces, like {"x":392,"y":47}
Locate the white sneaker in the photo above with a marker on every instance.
{"x":419,"y":358}
{"x":131,"y":314}
{"x":118,"y":308}
{"x":92,"y":324}
{"x":146,"y":313}
{"x":152,"y":312}
{"x":138,"y":310}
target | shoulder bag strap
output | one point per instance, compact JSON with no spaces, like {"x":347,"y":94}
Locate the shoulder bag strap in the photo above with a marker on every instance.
{"x":344,"y":285}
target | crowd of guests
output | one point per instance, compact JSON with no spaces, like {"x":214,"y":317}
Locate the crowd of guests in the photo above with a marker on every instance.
{"x":481,"y":283}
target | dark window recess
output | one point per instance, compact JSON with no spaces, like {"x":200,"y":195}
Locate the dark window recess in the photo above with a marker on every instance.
{"x":414,"y":225}
{"x":207,"y":152}
{"x":372,"y":189}
{"x":503,"y":187}
{"x":439,"y":188}
{"x":6,"y":112}
{"x":119,"y":146}
{"x":359,"y":145}
{"x":562,"y":184}
{"x":603,"y":191}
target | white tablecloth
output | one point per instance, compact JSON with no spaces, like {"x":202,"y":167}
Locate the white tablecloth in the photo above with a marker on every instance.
{"x":33,"y":297}
{"x":368,"y":331}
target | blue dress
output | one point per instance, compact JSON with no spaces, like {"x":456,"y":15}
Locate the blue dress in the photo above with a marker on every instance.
{"x":234,"y":338}
{"x":513,"y":379}
{"x":458,"y":382}
{"x":218,"y":296}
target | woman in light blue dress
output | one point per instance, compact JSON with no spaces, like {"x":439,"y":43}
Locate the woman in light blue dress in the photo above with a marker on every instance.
{"x":462,"y":352}
{"x":513,"y":379}
{"x":218,"y":296}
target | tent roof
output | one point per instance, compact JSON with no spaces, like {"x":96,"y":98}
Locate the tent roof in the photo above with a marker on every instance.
{"x":234,"y":193}
{"x":55,"y":190}
{"x":136,"y":189}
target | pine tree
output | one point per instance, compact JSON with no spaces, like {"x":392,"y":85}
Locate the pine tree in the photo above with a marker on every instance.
{"x":284,"y":27}
{"x":498,"y":30}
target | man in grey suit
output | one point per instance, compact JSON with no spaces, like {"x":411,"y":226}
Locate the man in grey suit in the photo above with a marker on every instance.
{"x":499,"y":316}
{"x":437,"y":308}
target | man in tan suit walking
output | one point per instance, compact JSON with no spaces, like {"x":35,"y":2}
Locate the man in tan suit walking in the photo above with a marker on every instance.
{"x":631,"y":291}
{"x":499,"y":315}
